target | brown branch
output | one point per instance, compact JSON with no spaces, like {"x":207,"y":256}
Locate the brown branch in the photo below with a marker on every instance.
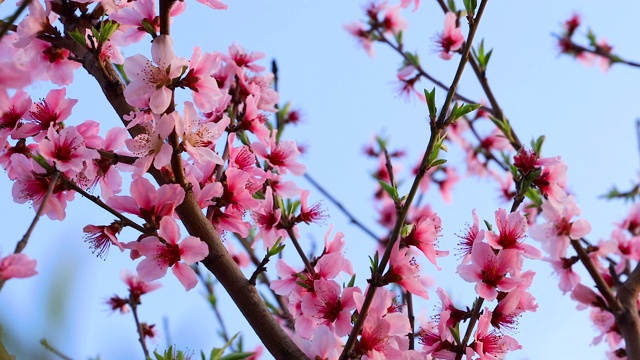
{"x":219,"y":262}
{"x":627,"y":317}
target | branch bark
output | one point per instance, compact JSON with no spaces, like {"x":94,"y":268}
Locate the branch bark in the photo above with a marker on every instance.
{"x":219,"y":262}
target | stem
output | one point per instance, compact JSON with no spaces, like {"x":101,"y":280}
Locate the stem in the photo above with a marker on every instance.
{"x":8,"y":25}
{"x":412,"y":319}
{"x":341,"y":207}
{"x":296,"y":244}
{"x":219,"y":262}
{"x":23,"y":242}
{"x":602,"y":286}
{"x":134,"y":311}
{"x":96,"y":200}
{"x":475,"y":315}
{"x":426,"y":75}
{"x":437,"y":128}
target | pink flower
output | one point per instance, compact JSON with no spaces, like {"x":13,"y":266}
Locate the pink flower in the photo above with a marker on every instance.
{"x":12,"y":110}
{"x":365,"y":40}
{"x":490,"y":344}
{"x":214,"y":4}
{"x":17,"y":266}
{"x":149,"y":202}
{"x":451,"y":39}
{"x":309,"y":214}
{"x":424,"y":234}
{"x":405,"y":271}
{"x":559,"y":229}
{"x":66,"y":150}
{"x":489,"y":271}
{"x":149,"y":82}
{"x":198,"y":136}
{"x":150,"y":147}
{"x":161,"y":255}
{"x":326,"y":306}
{"x":199,"y":79}
{"x":239,"y":57}
{"x":101,"y":237}
{"x":131,"y":17}
{"x":32,"y":183}
{"x":406,"y":3}
{"x":38,"y":20}
{"x":53,"y":61}
{"x":553,"y":179}
{"x":137,"y":286}
{"x":324,"y":344}
{"x":51,"y":111}
{"x":472,"y":235}
{"x":392,"y":21}
{"x":564,"y":268}
{"x":512,"y":229}
{"x":267,"y":219}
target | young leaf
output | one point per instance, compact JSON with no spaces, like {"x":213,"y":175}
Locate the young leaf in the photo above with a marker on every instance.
{"x":392,"y":191}
{"x":77,"y":37}
{"x":431,"y":102}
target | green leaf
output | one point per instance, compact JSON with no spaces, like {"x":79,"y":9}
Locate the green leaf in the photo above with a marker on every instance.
{"x":406,"y":230}
{"x":470,"y":5}
{"x":488,"y":225}
{"x":392,"y":191}
{"x":413,"y":59}
{"x":452,"y":5}
{"x":536,"y":145}
{"x":276,"y":248}
{"x":431,"y":103}
{"x":78,"y":37}
{"x":352,"y":281}
{"x":437,"y":162}
{"x":458,"y":112}
{"x":107,"y":29}
{"x":149,"y":27}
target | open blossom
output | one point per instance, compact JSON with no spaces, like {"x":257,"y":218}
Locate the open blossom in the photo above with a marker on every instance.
{"x":149,"y":202}
{"x":489,"y":343}
{"x":198,"y":136}
{"x":12,"y":110}
{"x":51,"y":111}
{"x":489,"y":271}
{"x":100,"y":238}
{"x":451,"y":39}
{"x":17,"y":266}
{"x":150,"y":146}
{"x":66,"y":150}
{"x":392,"y":21}
{"x":512,"y":230}
{"x":472,"y":235}
{"x":38,"y":20}
{"x":199,"y":79}
{"x":405,"y":271}
{"x":327,"y":306}
{"x":172,"y":253}
{"x":282,"y":156}
{"x":559,"y":229}
{"x":424,"y":235}
{"x":149,"y":80}
{"x":32,"y":183}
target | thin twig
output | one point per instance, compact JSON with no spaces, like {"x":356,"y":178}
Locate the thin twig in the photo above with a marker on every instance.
{"x":341,"y":207}
{"x":9,"y":24}
{"x":437,"y":128}
{"x":143,"y":343}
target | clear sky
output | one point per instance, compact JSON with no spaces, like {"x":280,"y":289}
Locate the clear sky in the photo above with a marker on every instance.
{"x":345,"y":97}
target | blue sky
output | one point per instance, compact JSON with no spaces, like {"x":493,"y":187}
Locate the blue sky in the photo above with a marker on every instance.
{"x":346,"y":97}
